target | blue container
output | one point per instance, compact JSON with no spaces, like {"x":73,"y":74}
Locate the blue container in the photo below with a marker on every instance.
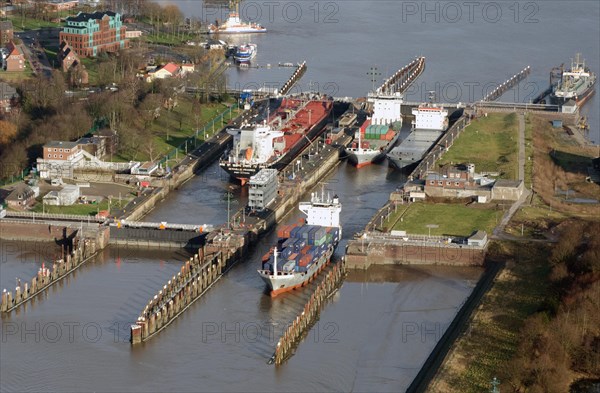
{"x":295,"y":231}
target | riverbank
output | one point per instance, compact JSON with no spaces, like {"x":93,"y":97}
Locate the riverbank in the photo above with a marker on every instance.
{"x":531,"y":328}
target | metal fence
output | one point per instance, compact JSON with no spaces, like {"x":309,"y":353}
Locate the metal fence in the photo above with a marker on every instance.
{"x":199,"y":134}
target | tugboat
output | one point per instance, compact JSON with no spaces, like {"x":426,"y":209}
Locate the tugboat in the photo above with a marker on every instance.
{"x":233,"y":24}
{"x":576,"y":84}
{"x":245,"y":53}
{"x":303,"y":251}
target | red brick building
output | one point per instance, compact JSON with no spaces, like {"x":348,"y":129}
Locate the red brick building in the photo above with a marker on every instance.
{"x":90,"y":34}
{"x":15,"y":61}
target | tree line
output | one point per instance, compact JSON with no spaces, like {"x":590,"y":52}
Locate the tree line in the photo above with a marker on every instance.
{"x":561,"y":342}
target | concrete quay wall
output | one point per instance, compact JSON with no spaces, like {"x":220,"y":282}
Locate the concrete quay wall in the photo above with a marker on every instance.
{"x":361,"y":255}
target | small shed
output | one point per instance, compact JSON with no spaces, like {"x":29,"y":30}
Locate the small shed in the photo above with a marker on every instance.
{"x":478,"y":239}
{"x":569,"y":107}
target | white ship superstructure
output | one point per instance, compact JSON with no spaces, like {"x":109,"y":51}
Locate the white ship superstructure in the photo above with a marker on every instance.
{"x":430,"y":122}
{"x":234,"y":24}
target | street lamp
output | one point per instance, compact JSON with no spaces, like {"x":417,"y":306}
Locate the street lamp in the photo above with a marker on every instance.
{"x":429,"y":226}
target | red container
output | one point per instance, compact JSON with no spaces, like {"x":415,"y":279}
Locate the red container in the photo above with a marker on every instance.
{"x":304,"y":250}
{"x":281,"y":231}
{"x":266,"y":256}
{"x":305,"y":260}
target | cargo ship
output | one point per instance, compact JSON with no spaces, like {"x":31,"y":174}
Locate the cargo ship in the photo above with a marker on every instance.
{"x":303,"y":250}
{"x":430,"y":122}
{"x":234,"y":24}
{"x":577,"y":84}
{"x":244,"y":53}
{"x":277,"y":141}
{"x":372,"y":143}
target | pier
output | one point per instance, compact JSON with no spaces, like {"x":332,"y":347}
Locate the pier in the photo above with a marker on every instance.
{"x":309,"y":315}
{"x":298,"y":73}
{"x":197,"y":276}
{"x":403,"y":78}
{"x":84,"y":250}
{"x":509,"y":84}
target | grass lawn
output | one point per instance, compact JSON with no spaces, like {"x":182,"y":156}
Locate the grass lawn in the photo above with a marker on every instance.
{"x":393,"y":218}
{"x":26,"y":23}
{"x":452,"y":219}
{"x":490,"y":143}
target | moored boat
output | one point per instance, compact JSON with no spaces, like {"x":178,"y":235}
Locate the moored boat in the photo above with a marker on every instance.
{"x":234,"y":24}
{"x":277,"y":141}
{"x":576,"y":84}
{"x":244,"y":53}
{"x":430,"y":122}
{"x":303,"y":251}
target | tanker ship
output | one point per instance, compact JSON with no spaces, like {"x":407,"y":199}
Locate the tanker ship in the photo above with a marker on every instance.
{"x":576,"y":84}
{"x":278,"y":140}
{"x":302,"y":251}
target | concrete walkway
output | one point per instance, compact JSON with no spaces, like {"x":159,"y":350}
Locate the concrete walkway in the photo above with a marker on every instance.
{"x":499,"y":230}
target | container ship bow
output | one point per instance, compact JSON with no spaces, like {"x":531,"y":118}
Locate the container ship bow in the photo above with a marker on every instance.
{"x":303,"y":250}
{"x":278,"y":140}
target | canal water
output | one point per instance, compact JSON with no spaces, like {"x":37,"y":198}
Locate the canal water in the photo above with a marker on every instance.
{"x":378,"y":328}
{"x":374,"y":334}
{"x":470,"y":47}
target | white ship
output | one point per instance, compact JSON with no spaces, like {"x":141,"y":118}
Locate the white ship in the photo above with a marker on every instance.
{"x":430,"y":122}
{"x":379,"y":134}
{"x":576,"y":84}
{"x":245,"y":53}
{"x":252,"y":150}
{"x":234,"y":24}
{"x":292,"y":265}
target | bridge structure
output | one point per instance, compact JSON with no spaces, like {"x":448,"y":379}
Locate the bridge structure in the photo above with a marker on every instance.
{"x":141,"y":234}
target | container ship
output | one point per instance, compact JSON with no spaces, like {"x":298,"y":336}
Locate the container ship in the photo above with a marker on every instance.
{"x":576,"y":84}
{"x":277,"y":141}
{"x":234,"y":24}
{"x":244,"y":53}
{"x":430,"y":122}
{"x":372,"y":143}
{"x":303,"y":250}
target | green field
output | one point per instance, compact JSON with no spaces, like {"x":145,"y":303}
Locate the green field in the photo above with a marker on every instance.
{"x":490,"y":143}
{"x":452,"y":219}
{"x":23,"y":23}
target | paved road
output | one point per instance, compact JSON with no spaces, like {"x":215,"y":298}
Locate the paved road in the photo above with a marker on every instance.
{"x":499,"y":230}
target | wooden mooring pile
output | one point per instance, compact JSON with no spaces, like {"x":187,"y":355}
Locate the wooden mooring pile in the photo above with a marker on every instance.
{"x":197,"y":275}
{"x":46,"y":277}
{"x":309,"y":315}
